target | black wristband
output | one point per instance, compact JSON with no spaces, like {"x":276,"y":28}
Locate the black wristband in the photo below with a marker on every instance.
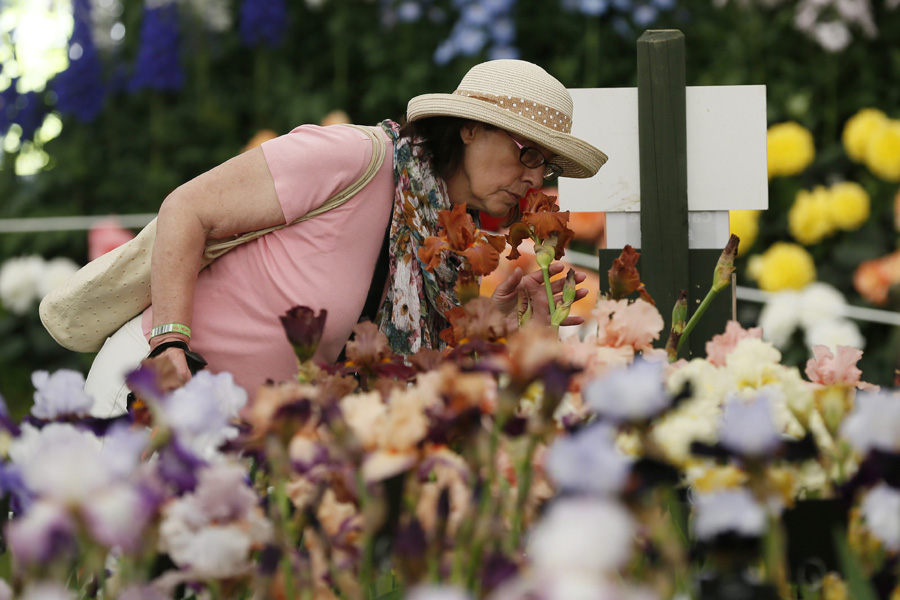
{"x":195,"y":361}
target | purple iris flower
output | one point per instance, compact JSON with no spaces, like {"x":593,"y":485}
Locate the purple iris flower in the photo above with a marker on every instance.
{"x":588,"y":461}
{"x":59,"y":395}
{"x":43,"y":533}
{"x":633,"y":394}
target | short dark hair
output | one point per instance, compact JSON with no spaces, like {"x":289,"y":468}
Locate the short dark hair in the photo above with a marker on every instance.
{"x":440,"y":141}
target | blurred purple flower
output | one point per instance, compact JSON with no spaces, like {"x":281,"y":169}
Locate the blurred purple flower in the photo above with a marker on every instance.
{"x":263,"y":22}
{"x":117,"y":515}
{"x":178,"y":467}
{"x":158,"y":65}
{"x":409,"y":12}
{"x":30,"y":113}
{"x":61,"y":462}
{"x":79,"y":89}
{"x":12,"y":483}
{"x":881,"y":511}
{"x":43,"y":533}
{"x":874,"y":423}
{"x":728,"y":511}
{"x":644,"y":15}
{"x":588,"y":461}
{"x":59,"y":395}
{"x":8,"y":109}
{"x":635,"y":393}
{"x":200,"y":412}
{"x":747,"y":427}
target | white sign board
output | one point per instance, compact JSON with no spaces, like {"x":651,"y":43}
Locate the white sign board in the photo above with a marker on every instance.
{"x":726,"y":149}
{"x":706,"y":229}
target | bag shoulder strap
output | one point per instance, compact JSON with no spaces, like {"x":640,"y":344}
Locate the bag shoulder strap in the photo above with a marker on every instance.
{"x":217,"y":248}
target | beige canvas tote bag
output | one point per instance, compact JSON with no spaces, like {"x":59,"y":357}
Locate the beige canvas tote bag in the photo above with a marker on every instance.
{"x":109,"y":291}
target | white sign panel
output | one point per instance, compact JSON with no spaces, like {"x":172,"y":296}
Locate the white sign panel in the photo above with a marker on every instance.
{"x":705,"y":229}
{"x":726,"y":149}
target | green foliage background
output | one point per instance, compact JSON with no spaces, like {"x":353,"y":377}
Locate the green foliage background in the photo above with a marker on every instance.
{"x":338,"y":56}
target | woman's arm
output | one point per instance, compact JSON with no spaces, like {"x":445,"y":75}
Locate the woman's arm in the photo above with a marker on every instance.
{"x":236,"y":197}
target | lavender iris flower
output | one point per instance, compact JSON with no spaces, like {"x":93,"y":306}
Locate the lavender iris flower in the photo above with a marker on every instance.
{"x":728,"y":511}
{"x":60,"y":394}
{"x":588,"y":461}
{"x":43,"y":533}
{"x":874,"y":423}
{"x":633,"y":394}
{"x":747,"y":428}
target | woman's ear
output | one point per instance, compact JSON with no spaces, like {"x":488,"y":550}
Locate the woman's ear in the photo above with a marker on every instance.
{"x":469,"y":131}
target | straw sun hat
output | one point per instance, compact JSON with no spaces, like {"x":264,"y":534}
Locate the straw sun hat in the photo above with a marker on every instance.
{"x":522,"y":98}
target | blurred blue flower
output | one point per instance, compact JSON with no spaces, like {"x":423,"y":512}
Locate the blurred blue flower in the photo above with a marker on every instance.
{"x":503,"y":31}
{"x":664,"y":5}
{"x":158,"y":65}
{"x":728,"y":511}
{"x":8,"y":107}
{"x":503,"y":52}
{"x":409,"y":12}
{"x":644,"y":15}
{"x":635,"y":393}
{"x":30,"y":113}
{"x":79,"y":89}
{"x":468,"y":41}
{"x":263,"y":22}
{"x":593,"y":7}
{"x":588,"y":462}
{"x":747,"y":427}
{"x":476,"y":14}
{"x":622,"y":5}
{"x":444,"y":53}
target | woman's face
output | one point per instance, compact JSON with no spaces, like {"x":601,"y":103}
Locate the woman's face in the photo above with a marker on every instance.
{"x":491,"y":177}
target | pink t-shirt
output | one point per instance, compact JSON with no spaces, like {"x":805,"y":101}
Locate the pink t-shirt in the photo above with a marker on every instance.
{"x":325,"y":262}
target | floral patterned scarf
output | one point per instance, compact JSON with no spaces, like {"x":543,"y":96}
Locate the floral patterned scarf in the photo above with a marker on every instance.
{"x":412,"y":315}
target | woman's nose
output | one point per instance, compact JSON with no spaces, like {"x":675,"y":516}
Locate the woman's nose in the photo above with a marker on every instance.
{"x":534,"y":177}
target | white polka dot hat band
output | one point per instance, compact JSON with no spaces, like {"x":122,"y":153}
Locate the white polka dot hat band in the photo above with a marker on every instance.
{"x":522,"y":98}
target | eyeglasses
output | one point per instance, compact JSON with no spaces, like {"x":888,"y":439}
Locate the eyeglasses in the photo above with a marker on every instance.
{"x":534,"y":158}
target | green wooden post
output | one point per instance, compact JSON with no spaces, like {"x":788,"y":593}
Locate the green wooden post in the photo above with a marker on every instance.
{"x":666,"y":264}
{"x":662,"y":126}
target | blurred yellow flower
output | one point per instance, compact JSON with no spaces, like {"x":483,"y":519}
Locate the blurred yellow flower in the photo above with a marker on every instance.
{"x":859,"y":129}
{"x":790,"y":148}
{"x":784,"y":266}
{"x":717,"y":478}
{"x":849,"y":205}
{"x":809,"y":218}
{"x":745,"y":225}
{"x":883,"y":151}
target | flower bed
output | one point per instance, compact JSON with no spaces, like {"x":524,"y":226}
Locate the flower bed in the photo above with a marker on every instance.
{"x":512,"y":465}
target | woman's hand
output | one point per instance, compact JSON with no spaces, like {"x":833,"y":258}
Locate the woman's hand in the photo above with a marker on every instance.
{"x":506,"y":295}
{"x":174,"y":354}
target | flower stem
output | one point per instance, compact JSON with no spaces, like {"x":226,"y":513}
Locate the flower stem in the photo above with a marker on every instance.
{"x":526,"y":473}
{"x":545,"y":271}
{"x":695,"y":318}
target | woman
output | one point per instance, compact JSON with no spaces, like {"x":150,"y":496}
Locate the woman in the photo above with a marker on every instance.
{"x":501,"y":133}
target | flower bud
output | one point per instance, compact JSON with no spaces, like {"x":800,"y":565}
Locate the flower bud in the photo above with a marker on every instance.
{"x":725,"y":266}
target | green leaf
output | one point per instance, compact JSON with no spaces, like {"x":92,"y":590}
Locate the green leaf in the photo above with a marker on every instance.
{"x":857,"y":583}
